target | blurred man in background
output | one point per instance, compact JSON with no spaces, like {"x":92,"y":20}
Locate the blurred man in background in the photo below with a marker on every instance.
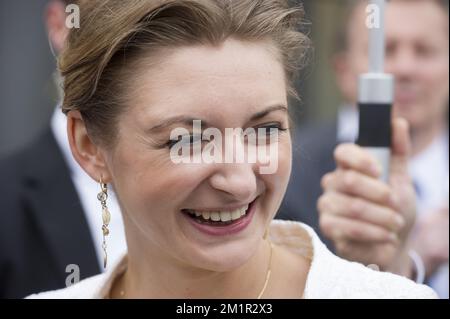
{"x":417,"y":54}
{"x":50,"y":218}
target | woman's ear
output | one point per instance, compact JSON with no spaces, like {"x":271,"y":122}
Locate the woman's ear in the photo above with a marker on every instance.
{"x":88,"y":155}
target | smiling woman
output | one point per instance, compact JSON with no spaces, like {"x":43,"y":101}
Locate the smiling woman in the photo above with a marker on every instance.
{"x":131,"y":72}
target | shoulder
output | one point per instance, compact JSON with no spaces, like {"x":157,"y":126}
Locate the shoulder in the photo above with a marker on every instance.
{"x":89,"y":288}
{"x":18,"y":174}
{"x":96,"y":287}
{"x":41,"y":148}
{"x":338,"y":278}
{"x":332,"y":277}
{"x":12,"y":179}
{"x":11,"y":164}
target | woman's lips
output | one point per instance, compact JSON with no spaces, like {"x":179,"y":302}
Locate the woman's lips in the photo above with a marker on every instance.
{"x":220,"y":224}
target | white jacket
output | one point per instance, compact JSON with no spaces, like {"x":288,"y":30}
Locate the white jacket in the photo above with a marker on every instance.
{"x":329,"y":276}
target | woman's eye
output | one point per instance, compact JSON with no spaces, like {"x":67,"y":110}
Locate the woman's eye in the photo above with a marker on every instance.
{"x":271,"y":129}
{"x":185,"y":140}
{"x":258,"y":132}
{"x":263,"y":134}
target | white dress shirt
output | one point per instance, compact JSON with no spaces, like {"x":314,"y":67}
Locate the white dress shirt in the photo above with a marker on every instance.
{"x":87,"y":190}
{"x":430,"y":173}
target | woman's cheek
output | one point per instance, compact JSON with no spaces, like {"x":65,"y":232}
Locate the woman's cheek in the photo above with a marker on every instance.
{"x":276,"y":183}
{"x":285,"y":166}
{"x":283,"y":158}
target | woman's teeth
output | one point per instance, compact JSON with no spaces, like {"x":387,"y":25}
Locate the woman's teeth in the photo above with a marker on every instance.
{"x":223,"y":216}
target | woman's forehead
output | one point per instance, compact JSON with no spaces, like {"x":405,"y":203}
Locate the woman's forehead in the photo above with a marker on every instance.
{"x":235,"y":74}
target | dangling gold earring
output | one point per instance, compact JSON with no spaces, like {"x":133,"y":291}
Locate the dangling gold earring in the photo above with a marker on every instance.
{"x":106,"y":216}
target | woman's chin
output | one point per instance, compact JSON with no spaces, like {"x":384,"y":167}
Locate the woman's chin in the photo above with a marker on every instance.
{"x":228,"y":256}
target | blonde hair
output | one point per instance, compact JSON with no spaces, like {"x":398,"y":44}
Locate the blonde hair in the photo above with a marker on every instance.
{"x":114,"y":34}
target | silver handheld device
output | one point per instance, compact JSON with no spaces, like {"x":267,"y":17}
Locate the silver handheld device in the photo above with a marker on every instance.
{"x":375,"y":98}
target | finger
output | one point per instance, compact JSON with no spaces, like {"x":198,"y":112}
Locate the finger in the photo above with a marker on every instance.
{"x":337,"y":228}
{"x":359,"y":185}
{"x":401,"y":147}
{"x":351,"y":156}
{"x":357,"y":209}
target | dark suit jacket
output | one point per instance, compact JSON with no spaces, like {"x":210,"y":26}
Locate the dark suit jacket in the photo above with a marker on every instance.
{"x":42,"y":225}
{"x":313,"y":148}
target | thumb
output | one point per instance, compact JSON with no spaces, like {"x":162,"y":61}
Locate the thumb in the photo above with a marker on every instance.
{"x":401,"y":148}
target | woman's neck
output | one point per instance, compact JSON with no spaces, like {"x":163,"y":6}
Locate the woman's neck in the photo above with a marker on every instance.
{"x":152,"y":273}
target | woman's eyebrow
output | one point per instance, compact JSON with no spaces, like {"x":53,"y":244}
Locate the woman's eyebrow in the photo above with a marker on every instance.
{"x":270,"y":109}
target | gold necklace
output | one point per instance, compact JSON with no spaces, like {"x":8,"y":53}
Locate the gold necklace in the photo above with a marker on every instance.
{"x":269,"y":271}
{"x":266,"y":282}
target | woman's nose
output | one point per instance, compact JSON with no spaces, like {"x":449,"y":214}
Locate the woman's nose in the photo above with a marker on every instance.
{"x":237,"y":180}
